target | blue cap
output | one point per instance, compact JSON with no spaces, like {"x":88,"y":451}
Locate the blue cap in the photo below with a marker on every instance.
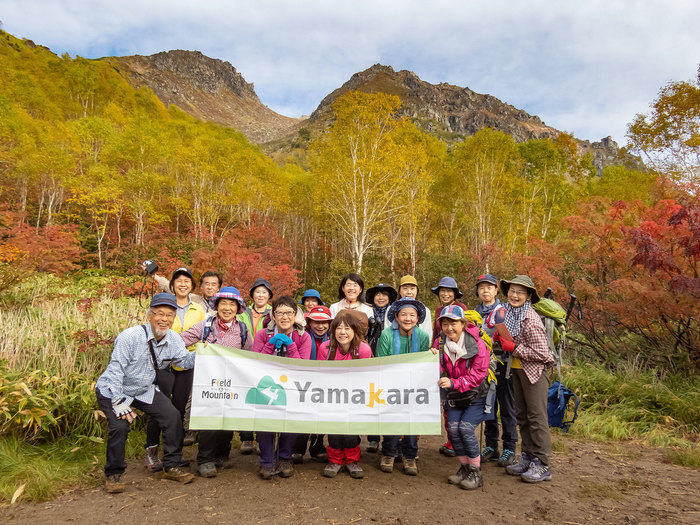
{"x":447,"y":282}
{"x":485,"y":278}
{"x":164,"y":299}
{"x":313,"y":294}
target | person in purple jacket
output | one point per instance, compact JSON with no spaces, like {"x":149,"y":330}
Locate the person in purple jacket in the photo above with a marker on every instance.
{"x":222,"y":328}
{"x":284,"y":336}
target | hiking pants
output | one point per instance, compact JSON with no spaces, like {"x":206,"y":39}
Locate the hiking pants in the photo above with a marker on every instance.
{"x":246,"y":435}
{"x":182,"y":388}
{"x":165,"y":384}
{"x":408,"y":444}
{"x":269,"y":455}
{"x":505,"y":403}
{"x":343,"y":449}
{"x":213,"y":445}
{"x":531,"y":413}
{"x":462,"y":424}
{"x":162,"y":411}
{"x":316,"y":446}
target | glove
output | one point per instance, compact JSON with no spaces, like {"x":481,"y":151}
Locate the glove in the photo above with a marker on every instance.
{"x":121,"y":409}
{"x":280,"y":340}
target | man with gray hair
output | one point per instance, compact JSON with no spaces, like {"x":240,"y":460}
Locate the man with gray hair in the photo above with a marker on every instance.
{"x":130,"y":381}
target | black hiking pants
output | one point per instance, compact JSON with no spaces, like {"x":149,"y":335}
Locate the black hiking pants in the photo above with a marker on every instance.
{"x":505,"y":404}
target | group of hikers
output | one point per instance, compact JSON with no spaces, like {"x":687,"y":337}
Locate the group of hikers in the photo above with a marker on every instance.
{"x":493,"y":360}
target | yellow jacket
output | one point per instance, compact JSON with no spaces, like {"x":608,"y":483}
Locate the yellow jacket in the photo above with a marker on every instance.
{"x":193,"y":315}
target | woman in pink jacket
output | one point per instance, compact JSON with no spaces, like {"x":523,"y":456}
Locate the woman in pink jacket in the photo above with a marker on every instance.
{"x":346,"y":334}
{"x":464,"y":367}
{"x":283,"y":336}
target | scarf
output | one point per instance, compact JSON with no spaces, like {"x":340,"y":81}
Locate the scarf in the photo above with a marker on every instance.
{"x":380,"y":313}
{"x":515,"y":316}
{"x":412,"y":339}
{"x":484,"y":311}
{"x":224,"y":327}
{"x":314,"y":344}
{"x":455,"y":350}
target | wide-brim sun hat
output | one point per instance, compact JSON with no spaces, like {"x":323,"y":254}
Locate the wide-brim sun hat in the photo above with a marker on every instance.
{"x":447,"y":282}
{"x":406,"y":302}
{"x":261,"y":282}
{"x":381,"y":287}
{"x":485,"y":278}
{"x":228,"y":292}
{"x":311,"y":294}
{"x":320,"y":313}
{"x":522,"y":280}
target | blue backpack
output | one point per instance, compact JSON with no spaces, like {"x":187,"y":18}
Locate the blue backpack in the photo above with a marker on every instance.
{"x":558,"y":397}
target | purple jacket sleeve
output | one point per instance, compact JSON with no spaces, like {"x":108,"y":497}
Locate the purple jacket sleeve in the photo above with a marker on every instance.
{"x":192,"y":334}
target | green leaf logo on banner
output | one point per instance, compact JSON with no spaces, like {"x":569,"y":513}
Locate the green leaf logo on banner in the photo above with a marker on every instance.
{"x":267,"y":393}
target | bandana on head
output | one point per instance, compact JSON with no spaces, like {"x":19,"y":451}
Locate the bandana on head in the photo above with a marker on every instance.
{"x":515,"y":316}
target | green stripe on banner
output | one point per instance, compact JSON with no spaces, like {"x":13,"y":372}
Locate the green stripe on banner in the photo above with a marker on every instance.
{"x":218,"y":350}
{"x":314,"y":427}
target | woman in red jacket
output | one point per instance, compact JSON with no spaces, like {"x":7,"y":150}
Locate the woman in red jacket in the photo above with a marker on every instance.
{"x":464,"y":366}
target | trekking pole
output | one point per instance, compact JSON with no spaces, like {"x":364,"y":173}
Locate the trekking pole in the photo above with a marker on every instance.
{"x":481,"y":444}
{"x":572,"y":303}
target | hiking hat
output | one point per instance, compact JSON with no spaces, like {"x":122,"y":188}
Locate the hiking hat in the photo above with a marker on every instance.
{"x":181,"y":271}
{"x":261,"y":282}
{"x":408,"y":279}
{"x":447,"y":282}
{"x":320,"y":313}
{"x":381,"y":287}
{"x":228,"y":292}
{"x":311,"y":293}
{"x":406,"y":302}
{"x":522,"y":280}
{"x":485,"y":278}
{"x":164,"y":299}
{"x":452,"y":311}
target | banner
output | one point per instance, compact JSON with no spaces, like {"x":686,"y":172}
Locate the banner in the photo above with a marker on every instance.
{"x":241,"y":390}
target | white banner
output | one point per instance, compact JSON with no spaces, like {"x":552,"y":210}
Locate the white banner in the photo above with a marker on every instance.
{"x":240,"y":390}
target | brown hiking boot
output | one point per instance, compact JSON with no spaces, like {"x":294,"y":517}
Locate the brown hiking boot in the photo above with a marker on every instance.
{"x":285,"y":469}
{"x":386,"y":464}
{"x":177,"y":474}
{"x":410,"y":467}
{"x":114,"y":484}
{"x":151,"y":461}
{"x":247,"y":447}
{"x":190,"y":438}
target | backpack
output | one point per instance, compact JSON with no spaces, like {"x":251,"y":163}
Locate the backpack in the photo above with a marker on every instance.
{"x":558,"y":397}
{"x":554,"y":318}
{"x":476,"y":319}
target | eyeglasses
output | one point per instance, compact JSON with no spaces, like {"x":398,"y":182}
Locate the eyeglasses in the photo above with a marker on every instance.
{"x":285,"y":313}
{"x":164,"y":315}
{"x":517,"y":293}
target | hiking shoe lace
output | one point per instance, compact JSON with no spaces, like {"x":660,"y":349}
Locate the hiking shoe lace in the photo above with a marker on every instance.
{"x":457,"y":477}
{"x":285,"y":469}
{"x":537,"y":472}
{"x":387,"y":464}
{"x":410,"y":467}
{"x":489,"y":454}
{"x":177,"y":474}
{"x":521,"y":467}
{"x":507,"y":458}
{"x":151,"y":461}
{"x":473,"y":479}
{"x":355,"y":470}
{"x":331,"y":469}
{"x":114,"y":484}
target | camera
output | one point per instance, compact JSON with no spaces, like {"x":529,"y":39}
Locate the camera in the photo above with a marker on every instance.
{"x":150,"y":267}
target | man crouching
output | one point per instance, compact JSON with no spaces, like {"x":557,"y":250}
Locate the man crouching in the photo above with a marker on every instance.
{"x":130,"y":381}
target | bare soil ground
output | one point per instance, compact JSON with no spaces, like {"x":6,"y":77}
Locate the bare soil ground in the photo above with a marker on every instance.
{"x":593,"y":483}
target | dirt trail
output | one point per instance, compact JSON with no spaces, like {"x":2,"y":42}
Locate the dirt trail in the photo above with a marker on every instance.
{"x":593,"y":483}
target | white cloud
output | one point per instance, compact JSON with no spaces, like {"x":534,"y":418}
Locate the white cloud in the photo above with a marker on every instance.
{"x":585,"y":67}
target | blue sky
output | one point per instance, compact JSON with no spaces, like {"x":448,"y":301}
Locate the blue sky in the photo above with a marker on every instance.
{"x":584,"y":67}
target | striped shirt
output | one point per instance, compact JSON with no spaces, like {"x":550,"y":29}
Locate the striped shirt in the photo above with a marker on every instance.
{"x":130,"y":373}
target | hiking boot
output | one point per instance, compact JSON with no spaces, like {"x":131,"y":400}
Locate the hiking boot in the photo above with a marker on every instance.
{"x":386,"y":464}
{"x":267,"y":472}
{"x":447,"y":450}
{"x":331,"y":469}
{"x":184,"y":463}
{"x":151,"y":461}
{"x":521,"y":467}
{"x":455,"y":478}
{"x":285,"y":469}
{"x":537,"y":472}
{"x":190,"y":438}
{"x":409,"y":467}
{"x":297,"y":458}
{"x":177,"y":474}
{"x":507,"y":458}
{"x":320,"y":457}
{"x":207,"y":470}
{"x":223,"y":463}
{"x":355,"y":470}
{"x":247,"y":448}
{"x":473,"y":479}
{"x":489,"y":454}
{"x":114,"y":484}
{"x":372,"y":446}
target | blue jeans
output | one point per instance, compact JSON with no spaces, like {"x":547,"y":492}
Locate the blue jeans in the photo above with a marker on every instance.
{"x":409,"y":446}
{"x":461,"y":426}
